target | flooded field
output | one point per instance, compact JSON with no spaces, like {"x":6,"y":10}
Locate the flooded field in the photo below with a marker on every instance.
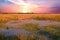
{"x":29,"y":26}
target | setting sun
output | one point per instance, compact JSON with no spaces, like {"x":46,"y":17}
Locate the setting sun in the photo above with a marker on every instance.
{"x":25,"y":8}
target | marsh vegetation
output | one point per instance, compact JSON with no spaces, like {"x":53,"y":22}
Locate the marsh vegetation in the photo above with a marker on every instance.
{"x":33,"y":28}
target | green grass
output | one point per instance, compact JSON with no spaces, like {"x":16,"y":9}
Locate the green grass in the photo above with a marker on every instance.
{"x":30,"y":26}
{"x":53,"y":29}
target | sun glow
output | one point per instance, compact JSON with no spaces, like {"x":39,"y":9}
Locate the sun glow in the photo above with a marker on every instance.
{"x":25,"y":7}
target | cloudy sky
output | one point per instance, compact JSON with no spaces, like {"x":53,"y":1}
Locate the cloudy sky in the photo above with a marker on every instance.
{"x":35,"y":6}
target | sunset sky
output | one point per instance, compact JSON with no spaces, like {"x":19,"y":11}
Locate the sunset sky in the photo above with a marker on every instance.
{"x":29,"y":6}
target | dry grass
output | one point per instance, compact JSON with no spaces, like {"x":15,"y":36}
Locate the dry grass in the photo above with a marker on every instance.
{"x":26,"y":16}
